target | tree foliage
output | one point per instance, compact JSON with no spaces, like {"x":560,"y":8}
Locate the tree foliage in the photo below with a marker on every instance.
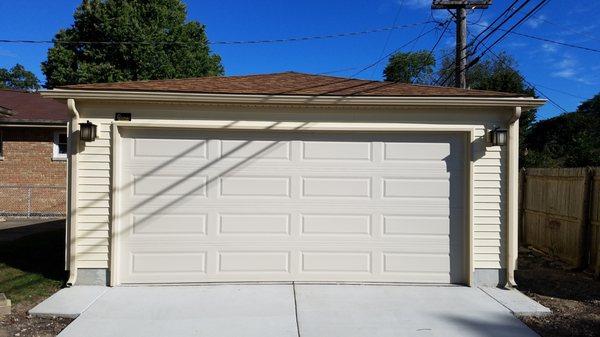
{"x":154,"y":41}
{"x":19,"y":78}
{"x":410,"y":67}
{"x":498,"y":74}
{"x":569,"y":140}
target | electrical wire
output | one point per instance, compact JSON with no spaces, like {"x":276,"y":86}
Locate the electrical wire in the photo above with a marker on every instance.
{"x":476,"y":44}
{"x":488,"y":35}
{"x":539,"y":6}
{"x":232,"y":42}
{"x":495,"y":20}
{"x":589,"y":36}
{"x":549,"y":40}
{"x":474,"y":61}
{"x":391,"y":53}
{"x":526,"y":81}
{"x":389,"y":35}
{"x":431,"y":51}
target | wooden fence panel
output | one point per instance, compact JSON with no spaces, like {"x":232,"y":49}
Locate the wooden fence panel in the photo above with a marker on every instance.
{"x":555,"y":213}
{"x":594,"y":244}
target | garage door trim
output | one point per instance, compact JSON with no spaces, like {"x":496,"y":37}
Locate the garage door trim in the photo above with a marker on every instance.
{"x":469,"y":132}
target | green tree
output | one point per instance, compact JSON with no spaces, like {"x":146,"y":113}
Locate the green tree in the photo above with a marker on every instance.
{"x":498,"y":73}
{"x":19,"y":78}
{"x":410,"y":67}
{"x":150,"y":39}
{"x":569,"y":140}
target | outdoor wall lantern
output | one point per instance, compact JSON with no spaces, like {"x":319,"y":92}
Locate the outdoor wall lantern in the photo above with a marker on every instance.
{"x":499,"y":137}
{"x":87,"y":131}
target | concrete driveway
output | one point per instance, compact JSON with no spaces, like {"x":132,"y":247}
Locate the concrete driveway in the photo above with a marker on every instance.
{"x":296,"y":310}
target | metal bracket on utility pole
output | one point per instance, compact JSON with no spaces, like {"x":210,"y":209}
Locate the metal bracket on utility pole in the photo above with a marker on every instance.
{"x":470,"y":4}
{"x":461,"y":7}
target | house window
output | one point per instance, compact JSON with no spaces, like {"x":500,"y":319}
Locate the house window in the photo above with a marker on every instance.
{"x":59,"y":151}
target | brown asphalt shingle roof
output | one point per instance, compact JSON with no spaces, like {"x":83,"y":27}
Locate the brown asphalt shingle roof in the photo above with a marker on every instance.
{"x":288,"y":83}
{"x":30,"y":108}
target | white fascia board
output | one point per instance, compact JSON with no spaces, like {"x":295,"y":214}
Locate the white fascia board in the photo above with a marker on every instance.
{"x":177,"y":97}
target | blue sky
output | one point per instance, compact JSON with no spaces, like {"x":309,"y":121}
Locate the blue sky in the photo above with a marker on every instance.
{"x":565,"y":74}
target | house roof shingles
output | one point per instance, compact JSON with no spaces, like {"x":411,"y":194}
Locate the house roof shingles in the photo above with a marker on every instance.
{"x":288,"y":83}
{"x":21,"y":107}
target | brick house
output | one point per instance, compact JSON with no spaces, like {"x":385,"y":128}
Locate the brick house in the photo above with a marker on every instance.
{"x":33,"y":154}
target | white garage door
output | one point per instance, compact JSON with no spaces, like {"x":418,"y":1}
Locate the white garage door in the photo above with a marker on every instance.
{"x":200,"y":206}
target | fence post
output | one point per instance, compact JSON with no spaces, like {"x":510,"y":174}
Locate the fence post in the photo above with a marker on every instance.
{"x":594,"y":246}
{"x":29,"y":202}
{"x":585,"y":218}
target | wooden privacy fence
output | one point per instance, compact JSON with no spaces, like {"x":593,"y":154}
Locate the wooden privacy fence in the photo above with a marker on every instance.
{"x":560,"y":214}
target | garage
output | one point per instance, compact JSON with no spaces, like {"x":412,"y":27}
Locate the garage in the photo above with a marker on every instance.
{"x":203,"y":206}
{"x":291,"y":177}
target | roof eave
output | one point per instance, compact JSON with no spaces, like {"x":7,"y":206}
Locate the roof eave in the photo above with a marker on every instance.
{"x":180,"y":97}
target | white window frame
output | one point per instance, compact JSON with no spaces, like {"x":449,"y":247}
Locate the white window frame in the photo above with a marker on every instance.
{"x":56,"y":155}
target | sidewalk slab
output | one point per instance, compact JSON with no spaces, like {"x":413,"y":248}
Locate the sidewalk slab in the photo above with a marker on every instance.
{"x":189,"y":311}
{"x":517,"y":302}
{"x":68,"y":302}
{"x":392,"y":311}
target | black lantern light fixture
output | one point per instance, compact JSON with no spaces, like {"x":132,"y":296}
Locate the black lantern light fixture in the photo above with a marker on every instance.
{"x":499,"y":137}
{"x":87,"y":131}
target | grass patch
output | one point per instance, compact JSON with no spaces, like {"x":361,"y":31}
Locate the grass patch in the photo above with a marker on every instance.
{"x":32,"y":267}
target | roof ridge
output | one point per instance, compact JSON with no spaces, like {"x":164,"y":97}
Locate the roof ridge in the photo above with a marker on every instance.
{"x":288,"y":82}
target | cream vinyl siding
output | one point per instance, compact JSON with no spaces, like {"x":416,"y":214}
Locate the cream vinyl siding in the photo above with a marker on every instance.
{"x":489,"y":204}
{"x":94,"y":167}
{"x":93,"y":199}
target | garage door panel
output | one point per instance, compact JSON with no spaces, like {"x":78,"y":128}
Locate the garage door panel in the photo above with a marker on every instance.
{"x":331,"y":262}
{"x":168,"y":224}
{"x":415,"y":225}
{"x":254,"y":186}
{"x":253,"y":261}
{"x":335,"y":151}
{"x":254,"y":224}
{"x":416,"y":188}
{"x":161,"y":185}
{"x":257,"y":150}
{"x":336,"y":187}
{"x":336,"y":224}
{"x":177,"y":262}
{"x":276,"y":206}
{"x":182,"y":149}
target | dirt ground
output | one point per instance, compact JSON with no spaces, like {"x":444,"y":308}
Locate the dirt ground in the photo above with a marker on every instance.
{"x":20,"y":324}
{"x":573,"y":297}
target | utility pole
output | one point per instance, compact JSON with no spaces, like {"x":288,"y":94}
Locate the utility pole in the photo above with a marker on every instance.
{"x":460,"y":16}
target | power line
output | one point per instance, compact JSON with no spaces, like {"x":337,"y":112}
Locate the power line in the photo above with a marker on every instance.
{"x":231,"y":42}
{"x":506,"y":32}
{"x":589,"y":36}
{"x":526,"y":81}
{"x":495,"y":20}
{"x":488,"y":35}
{"x":523,"y":19}
{"x":391,"y":53}
{"x":548,"y":40}
{"x":334,"y":71}
{"x":431,"y":51}
{"x":504,"y":21}
{"x":389,"y":35}
{"x":559,"y":91}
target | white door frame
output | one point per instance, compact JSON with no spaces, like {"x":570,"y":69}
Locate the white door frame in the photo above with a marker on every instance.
{"x":467,"y":130}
